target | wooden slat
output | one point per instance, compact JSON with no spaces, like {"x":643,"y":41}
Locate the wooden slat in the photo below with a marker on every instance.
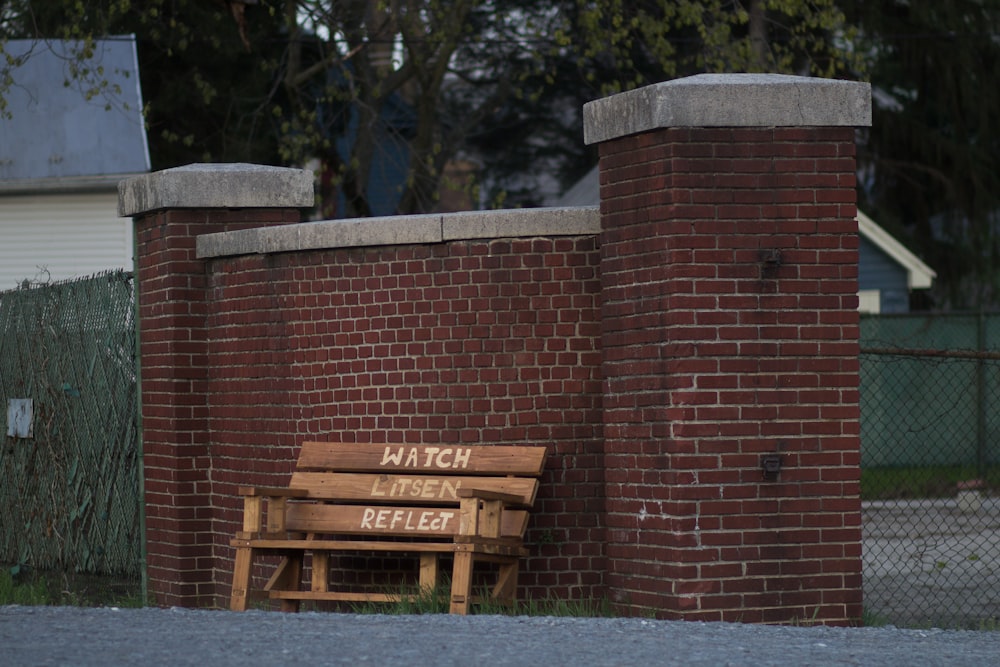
{"x":278,"y":544}
{"x":501,"y":549}
{"x":416,"y":489}
{"x":438,"y":459}
{"x":484,"y":550}
{"x":488,"y":494}
{"x":338,"y":596}
{"x":350,"y":596}
{"x":388,"y":520}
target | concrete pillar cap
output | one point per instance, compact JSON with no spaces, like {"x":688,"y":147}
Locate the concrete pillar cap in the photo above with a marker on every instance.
{"x":729,"y":100}
{"x":216,"y":186}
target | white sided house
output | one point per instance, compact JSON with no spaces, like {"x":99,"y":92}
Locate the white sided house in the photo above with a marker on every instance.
{"x":67,"y":142}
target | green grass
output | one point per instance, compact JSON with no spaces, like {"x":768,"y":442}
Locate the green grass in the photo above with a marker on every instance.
{"x":873,"y":619}
{"x":436,"y":602}
{"x":923,"y":482}
{"x":23,"y":593}
{"x":988,"y":625}
{"x":22,"y":587}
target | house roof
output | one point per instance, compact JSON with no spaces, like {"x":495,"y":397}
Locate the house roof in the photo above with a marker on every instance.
{"x":69,"y":130}
{"x":919,"y":276}
{"x":584,"y":192}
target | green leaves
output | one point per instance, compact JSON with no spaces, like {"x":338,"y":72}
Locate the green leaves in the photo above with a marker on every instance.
{"x":931,"y":158}
{"x":670,"y":38}
{"x":323,"y":74}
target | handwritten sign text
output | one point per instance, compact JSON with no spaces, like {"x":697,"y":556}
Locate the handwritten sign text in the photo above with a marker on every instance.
{"x":417,"y":487}
{"x":408,"y":520}
{"x":428,"y":457}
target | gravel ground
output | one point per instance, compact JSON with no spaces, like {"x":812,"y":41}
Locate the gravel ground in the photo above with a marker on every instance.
{"x":77,"y":636}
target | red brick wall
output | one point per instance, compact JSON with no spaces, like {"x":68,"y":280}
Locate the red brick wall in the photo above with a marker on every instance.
{"x":730,"y":329}
{"x":712,"y":321}
{"x":471,"y":342}
{"x":174,"y":381}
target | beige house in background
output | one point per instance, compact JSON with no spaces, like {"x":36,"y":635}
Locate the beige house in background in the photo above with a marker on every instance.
{"x":61,"y":157}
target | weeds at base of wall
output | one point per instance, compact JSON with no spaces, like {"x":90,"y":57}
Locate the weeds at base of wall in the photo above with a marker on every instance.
{"x":412,"y":601}
{"x":873,"y":619}
{"x":807,"y":622}
{"x":28,"y":587}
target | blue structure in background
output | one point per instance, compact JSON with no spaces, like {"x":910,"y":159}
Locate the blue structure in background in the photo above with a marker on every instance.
{"x":877,"y":268}
{"x":887,"y":271}
{"x":66,"y":125}
{"x":390,"y":165}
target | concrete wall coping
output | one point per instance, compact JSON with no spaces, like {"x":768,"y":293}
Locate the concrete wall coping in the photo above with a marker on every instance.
{"x":403,"y":230}
{"x":729,"y":100}
{"x":216,"y":186}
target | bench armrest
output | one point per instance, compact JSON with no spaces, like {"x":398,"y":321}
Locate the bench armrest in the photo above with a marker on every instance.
{"x":482,"y":494}
{"x":277,"y":502}
{"x":481,"y":513}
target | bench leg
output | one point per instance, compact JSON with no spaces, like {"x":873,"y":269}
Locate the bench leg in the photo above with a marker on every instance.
{"x":429,"y":572}
{"x":320,"y":572}
{"x":287,"y":577}
{"x":294,"y":574}
{"x":506,"y":589}
{"x":241,"y":579}
{"x":461,"y":583}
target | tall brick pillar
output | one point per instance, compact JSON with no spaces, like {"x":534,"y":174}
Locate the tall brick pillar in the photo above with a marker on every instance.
{"x":730,"y":333}
{"x":170,"y":209}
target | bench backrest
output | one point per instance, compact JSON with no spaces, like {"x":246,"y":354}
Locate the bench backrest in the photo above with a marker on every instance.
{"x":407,"y":490}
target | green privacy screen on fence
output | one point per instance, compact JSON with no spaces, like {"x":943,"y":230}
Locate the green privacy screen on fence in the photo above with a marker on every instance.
{"x":930,"y":402}
{"x":930,"y":390}
{"x":69,"y":486}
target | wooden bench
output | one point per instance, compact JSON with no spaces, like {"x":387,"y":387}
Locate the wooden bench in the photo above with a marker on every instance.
{"x":467,"y":501}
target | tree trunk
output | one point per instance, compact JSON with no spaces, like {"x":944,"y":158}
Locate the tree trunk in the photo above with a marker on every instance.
{"x":758,"y":36}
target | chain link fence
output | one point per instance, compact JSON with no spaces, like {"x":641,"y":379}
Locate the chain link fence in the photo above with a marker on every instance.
{"x":930,"y":431}
{"x":69,"y":468}
{"x":930,"y":439}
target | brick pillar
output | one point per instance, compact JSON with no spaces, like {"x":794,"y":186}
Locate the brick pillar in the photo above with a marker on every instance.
{"x":170,"y":209}
{"x":730,"y":333}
